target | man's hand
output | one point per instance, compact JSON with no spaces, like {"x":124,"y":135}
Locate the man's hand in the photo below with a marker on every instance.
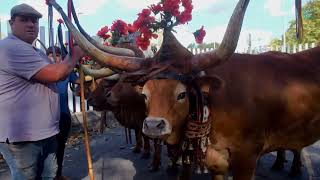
{"x":78,"y":52}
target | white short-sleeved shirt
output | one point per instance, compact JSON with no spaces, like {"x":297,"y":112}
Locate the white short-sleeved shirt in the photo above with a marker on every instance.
{"x":29,"y":110}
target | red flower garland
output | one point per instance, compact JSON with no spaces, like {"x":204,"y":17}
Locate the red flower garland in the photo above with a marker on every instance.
{"x":120,"y":26}
{"x":199,"y":35}
{"x":168,"y":10}
{"x":102,"y":33}
{"x":60,"y":21}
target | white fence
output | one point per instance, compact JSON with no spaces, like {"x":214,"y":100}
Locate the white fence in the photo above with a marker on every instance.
{"x":261,"y":49}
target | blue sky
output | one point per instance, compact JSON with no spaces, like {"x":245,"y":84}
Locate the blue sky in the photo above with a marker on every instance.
{"x":265,"y":19}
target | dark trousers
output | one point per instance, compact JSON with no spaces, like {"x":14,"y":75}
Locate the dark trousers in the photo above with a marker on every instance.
{"x":62,"y":137}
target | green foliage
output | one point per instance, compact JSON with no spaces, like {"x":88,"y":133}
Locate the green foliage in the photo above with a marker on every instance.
{"x":203,"y":45}
{"x":275,"y":42}
{"x":311,"y":24}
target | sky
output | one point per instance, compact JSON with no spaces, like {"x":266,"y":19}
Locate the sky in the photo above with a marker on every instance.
{"x":264,"y":19}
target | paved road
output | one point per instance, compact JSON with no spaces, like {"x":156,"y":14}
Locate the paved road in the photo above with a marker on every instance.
{"x":113,"y":160}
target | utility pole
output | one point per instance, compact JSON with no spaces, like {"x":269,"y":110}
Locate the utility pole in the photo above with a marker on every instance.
{"x":43,"y":37}
{"x":249,"y":43}
{"x":284,"y":28}
{"x":8,"y":27}
{"x":0,"y":30}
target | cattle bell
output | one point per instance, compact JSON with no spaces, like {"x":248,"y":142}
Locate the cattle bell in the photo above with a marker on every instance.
{"x":187,"y":160}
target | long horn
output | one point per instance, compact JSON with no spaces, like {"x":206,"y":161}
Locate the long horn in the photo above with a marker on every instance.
{"x":97,"y":73}
{"x":114,"y":77}
{"x":119,"y":62}
{"x":108,"y":49}
{"x":229,"y":42}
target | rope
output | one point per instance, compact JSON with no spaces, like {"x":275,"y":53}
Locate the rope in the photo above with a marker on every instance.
{"x":84,"y":114}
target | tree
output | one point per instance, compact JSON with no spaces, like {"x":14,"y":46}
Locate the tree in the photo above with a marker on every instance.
{"x":311,"y":24}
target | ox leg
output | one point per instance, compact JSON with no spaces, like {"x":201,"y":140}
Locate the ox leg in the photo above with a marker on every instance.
{"x":138,"y":146}
{"x":243,"y":165}
{"x":103,"y":121}
{"x":174,"y":153}
{"x":146,"y":147}
{"x":296,"y":164}
{"x":280,"y":160}
{"x":186,"y":170}
{"x":156,"y":162}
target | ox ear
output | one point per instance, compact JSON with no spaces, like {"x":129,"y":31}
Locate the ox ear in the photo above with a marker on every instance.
{"x":210,"y":83}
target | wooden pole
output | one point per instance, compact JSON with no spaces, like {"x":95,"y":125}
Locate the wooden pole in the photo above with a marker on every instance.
{"x":85,"y":126}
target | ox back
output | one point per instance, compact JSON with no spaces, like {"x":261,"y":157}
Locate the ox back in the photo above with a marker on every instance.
{"x":270,"y":100}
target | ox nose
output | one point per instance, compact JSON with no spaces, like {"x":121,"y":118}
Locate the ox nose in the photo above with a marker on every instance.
{"x":156,"y":127}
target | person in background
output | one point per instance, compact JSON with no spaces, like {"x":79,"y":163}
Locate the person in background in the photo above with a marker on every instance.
{"x":29,"y":100}
{"x":65,"y":116}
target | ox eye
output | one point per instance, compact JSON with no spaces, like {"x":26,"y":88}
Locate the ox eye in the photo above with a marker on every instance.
{"x":181,"y":96}
{"x":144,"y":96}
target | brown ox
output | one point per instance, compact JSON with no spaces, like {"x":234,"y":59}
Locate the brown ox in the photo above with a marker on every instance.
{"x":128,"y":106}
{"x":266,"y":102}
{"x":263,"y":103}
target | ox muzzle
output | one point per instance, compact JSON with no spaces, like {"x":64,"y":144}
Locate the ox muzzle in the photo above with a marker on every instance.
{"x":156,"y":127}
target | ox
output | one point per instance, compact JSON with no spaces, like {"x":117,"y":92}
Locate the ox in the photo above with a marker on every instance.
{"x":129,"y":109}
{"x":257,"y":103}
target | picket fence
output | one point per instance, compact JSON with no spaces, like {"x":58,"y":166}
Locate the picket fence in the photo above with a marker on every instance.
{"x":261,"y":49}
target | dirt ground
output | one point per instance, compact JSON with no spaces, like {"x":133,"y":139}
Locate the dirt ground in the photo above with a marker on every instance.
{"x":113,"y":158}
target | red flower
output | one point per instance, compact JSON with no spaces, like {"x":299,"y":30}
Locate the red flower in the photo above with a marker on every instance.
{"x":131,"y":28}
{"x":120,"y":26}
{"x":172,"y":7}
{"x":156,"y":8}
{"x":102,"y":33}
{"x":85,"y":59}
{"x":145,"y":12}
{"x":143,"y":43}
{"x":199,"y":35}
{"x":60,"y":21}
{"x":184,"y":17}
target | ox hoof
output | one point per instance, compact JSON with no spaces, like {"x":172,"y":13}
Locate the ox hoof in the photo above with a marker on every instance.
{"x":136,"y":150}
{"x":154,"y":168}
{"x":145,"y":155}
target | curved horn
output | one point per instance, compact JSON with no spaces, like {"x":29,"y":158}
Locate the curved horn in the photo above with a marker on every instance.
{"x":114,"y":77}
{"x":119,"y":62}
{"x":97,"y":73}
{"x":108,"y":49}
{"x":229,"y":42}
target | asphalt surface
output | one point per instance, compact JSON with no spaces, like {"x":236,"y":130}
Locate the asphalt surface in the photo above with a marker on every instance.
{"x":113,"y":159}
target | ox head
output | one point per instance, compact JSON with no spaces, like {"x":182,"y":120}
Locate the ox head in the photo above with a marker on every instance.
{"x":169,"y":103}
{"x":107,"y":92}
{"x":166,"y":98}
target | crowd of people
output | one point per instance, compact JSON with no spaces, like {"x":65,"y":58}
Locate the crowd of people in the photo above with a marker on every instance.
{"x":33,"y":100}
